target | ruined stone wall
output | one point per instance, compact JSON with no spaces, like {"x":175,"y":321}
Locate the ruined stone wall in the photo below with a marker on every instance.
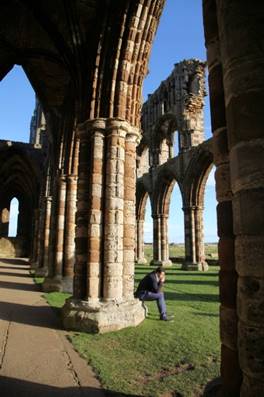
{"x":177,"y":105}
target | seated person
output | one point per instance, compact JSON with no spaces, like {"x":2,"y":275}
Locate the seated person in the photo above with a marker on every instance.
{"x":149,"y":289}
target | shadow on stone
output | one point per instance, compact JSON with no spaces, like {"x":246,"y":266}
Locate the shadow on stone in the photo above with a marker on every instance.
{"x":39,"y":316}
{"x":15,"y":387}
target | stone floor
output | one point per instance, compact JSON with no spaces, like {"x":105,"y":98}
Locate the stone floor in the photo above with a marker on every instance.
{"x":36,"y":360}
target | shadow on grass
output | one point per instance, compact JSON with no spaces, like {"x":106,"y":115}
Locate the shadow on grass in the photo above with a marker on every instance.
{"x":206,"y":314}
{"x":13,"y":387}
{"x":194,"y":282}
{"x":191,"y":297}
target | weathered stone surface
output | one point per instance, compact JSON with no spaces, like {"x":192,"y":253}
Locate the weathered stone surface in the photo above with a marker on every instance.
{"x":104,"y":317}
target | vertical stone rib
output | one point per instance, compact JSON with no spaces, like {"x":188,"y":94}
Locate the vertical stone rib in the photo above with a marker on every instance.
{"x":114,"y":216}
{"x":94,"y":271}
{"x":129,"y":213}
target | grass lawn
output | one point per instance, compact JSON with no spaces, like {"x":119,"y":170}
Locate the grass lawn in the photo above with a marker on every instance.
{"x":177,"y":250}
{"x":160,"y":358}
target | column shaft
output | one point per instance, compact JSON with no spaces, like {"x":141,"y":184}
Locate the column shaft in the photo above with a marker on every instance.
{"x":129,"y":214}
{"x":94,"y":270}
{"x":69,"y":244}
{"x":114,"y":212}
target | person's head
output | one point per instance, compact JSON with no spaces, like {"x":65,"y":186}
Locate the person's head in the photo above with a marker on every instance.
{"x":160,"y":271}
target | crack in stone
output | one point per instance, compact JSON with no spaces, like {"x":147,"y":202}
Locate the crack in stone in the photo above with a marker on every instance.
{"x":4,"y":344}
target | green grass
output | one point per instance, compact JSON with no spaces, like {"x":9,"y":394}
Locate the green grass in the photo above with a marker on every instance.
{"x":177,"y":250}
{"x":158,"y":357}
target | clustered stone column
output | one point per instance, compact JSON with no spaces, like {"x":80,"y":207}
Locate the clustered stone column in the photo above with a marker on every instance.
{"x":194,"y":241}
{"x":230,"y":366}
{"x":160,"y":241}
{"x":105,"y":236}
{"x":60,"y":232}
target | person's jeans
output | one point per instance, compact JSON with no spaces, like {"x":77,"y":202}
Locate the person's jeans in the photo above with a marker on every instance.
{"x":154,"y":296}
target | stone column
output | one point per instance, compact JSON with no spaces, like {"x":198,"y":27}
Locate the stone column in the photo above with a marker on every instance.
{"x":40,"y":237}
{"x":43,"y":267}
{"x":241,"y":44}
{"x":48,"y":200}
{"x":4,"y":225}
{"x":56,"y":259}
{"x":140,"y":259}
{"x":129,"y":213}
{"x":69,"y":244}
{"x":156,"y":261}
{"x":114,"y":212}
{"x":34,"y":255}
{"x":95,"y":225}
{"x":160,"y":241}
{"x":190,"y":262}
{"x":164,"y":244}
{"x":228,"y":276}
{"x":103,"y":287}
{"x":199,"y":239}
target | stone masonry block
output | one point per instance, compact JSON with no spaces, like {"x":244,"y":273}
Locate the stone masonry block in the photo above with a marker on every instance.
{"x":249,"y":256}
{"x":251,"y":300}
{"x":247,"y":166}
{"x":248,"y":212}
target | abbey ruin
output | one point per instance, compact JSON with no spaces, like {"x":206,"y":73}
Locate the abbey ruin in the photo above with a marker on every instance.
{"x":83,"y":195}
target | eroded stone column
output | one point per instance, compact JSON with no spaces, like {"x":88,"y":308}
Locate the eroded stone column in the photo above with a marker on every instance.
{"x":34,"y":256}
{"x":140,"y":259}
{"x":241,"y":40}
{"x":43,"y":270}
{"x":199,"y":239}
{"x":103,"y":288}
{"x":156,"y":261}
{"x":129,"y":213}
{"x":190,"y":262}
{"x":114,"y":212}
{"x":69,"y":244}
{"x":228,"y":276}
{"x":164,"y":244}
{"x":95,"y":227}
{"x":56,"y":242}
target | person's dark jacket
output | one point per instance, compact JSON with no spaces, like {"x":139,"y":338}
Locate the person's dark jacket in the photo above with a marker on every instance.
{"x":148,"y":283}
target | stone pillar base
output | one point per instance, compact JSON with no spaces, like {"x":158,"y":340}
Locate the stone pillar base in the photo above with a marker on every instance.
{"x":58,"y":284}
{"x":41,"y":272}
{"x":52,"y":284}
{"x":141,"y":261}
{"x":101,"y":317}
{"x":203,"y":266}
{"x":166,"y":263}
{"x":189,"y":266}
{"x":33,"y":265}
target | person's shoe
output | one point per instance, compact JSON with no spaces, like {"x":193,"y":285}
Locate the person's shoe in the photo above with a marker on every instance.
{"x":166,"y":318}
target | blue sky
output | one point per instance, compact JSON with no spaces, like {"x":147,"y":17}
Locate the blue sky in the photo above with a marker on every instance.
{"x":179,"y":36}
